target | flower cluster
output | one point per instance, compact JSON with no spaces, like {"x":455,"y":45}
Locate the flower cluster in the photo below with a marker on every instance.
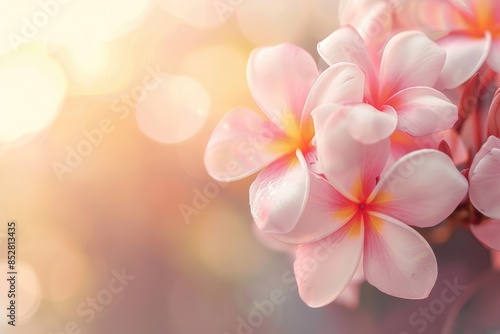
{"x":401,"y":129}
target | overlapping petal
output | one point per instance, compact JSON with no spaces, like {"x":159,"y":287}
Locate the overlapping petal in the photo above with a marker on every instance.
{"x":324,"y":268}
{"x":346,"y":45}
{"x":352,"y":167}
{"x":397,"y":260}
{"x":279,"y":194}
{"x":280,"y":78}
{"x":325,"y":212}
{"x":422,"y":189}
{"x":240,"y":145}
{"x":423,"y":111}
{"x":484,"y":177}
{"x":369,"y":125}
{"x":488,"y":232}
{"x":340,"y":83}
{"x":493,"y":59}
{"x":410,"y":59}
{"x":464,"y":57}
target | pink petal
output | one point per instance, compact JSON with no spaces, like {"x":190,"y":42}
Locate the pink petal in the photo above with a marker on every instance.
{"x":341,"y":83}
{"x":369,"y":125}
{"x":324,"y":269}
{"x":422,"y":189}
{"x":423,"y":111}
{"x":493,"y":60}
{"x":464,"y":57}
{"x":410,"y":59}
{"x":402,"y":143}
{"x":484,"y":177}
{"x":491,"y":143}
{"x":280,"y":78}
{"x":240,"y":145}
{"x":279,"y":194}
{"x":397,"y":260}
{"x":493,"y":121}
{"x":346,"y":45}
{"x":325,"y":212}
{"x":488,"y":232}
{"x":454,"y":140}
{"x":352,"y":167}
{"x":322,"y":114}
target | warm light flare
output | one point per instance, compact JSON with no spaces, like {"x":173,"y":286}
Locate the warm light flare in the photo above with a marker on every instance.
{"x":173,"y":111}
{"x":32,"y":88}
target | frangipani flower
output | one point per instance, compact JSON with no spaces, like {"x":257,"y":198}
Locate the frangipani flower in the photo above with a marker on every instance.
{"x":484,"y":192}
{"x":398,"y":89}
{"x":349,"y":216}
{"x":473,"y":38}
{"x":285,"y":83}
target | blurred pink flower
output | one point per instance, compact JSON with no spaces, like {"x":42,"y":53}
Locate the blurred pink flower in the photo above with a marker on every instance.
{"x":484,"y":192}
{"x":473,"y":34}
{"x":349,"y":215}
{"x":398,"y":89}
{"x":285,"y":83}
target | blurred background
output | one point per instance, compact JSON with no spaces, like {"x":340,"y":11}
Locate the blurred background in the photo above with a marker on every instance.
{"x":105,"y":111}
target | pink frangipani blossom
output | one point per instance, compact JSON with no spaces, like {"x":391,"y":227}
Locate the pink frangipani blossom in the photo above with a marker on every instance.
{"x":350,"y":216}
{"x":398,"y":88}
{"x":285,"y":82}
{"x":472,"y":37}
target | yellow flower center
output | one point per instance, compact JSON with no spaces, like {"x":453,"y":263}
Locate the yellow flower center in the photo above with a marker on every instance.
{"x":295,"y":135}
{"x":482,"y":20}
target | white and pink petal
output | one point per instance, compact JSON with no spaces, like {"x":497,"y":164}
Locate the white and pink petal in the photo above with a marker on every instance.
{"x":350,"y":166}
{"x":346,"y":45}
{"x":397,"y":260}
{"x":323,"y":269}
{"x":279,"y":194}
{"x":464,"y":57}
{"x":423,"y":111}
{"x":341,"y":83}
{"x":484,"y":178}
{"x":280,"y":78}
{"x":325,"y":212}
{"x":240,"y":145}
{"x":421,"y":189}
{"x":493,"y":59}
{"x":369,"y":125}
{"x":410,"y":59}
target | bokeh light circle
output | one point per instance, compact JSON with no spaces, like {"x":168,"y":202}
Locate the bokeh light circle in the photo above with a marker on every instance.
{"x":32,"y":88}
{"x":172,"y":109}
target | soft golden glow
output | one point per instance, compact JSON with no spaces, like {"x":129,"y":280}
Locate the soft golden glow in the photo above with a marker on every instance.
{"x":295,"y":136}
{"x":32,"y":88}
